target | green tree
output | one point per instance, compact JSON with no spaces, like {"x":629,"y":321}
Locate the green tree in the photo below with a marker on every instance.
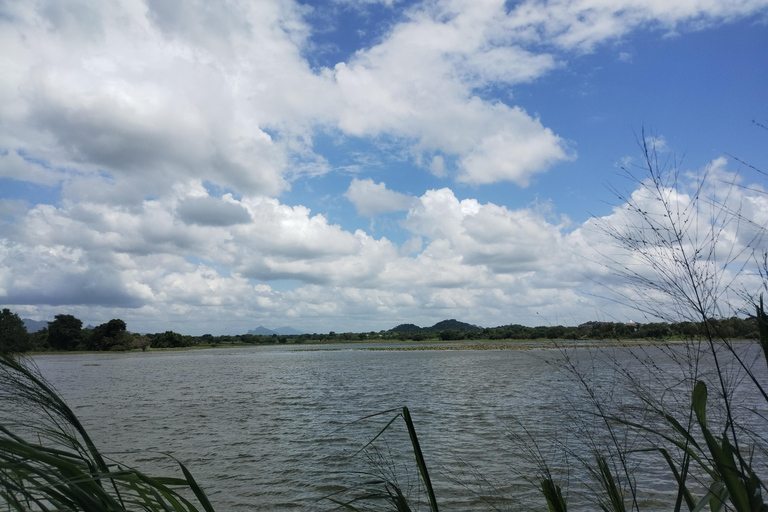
{"x":65,"y":332}
{"x":140,"y":341}
{"x":170,"y":339}
{"x":13,"y":334}
{"x":110,"y":336}
{"x":451,"y":335}
{"x":39,"y":340}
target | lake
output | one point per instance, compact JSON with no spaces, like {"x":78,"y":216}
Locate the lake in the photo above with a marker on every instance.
{"x":276,"y":427}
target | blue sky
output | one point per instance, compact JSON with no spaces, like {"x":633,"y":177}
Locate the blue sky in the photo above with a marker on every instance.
{"x":350,"y":166}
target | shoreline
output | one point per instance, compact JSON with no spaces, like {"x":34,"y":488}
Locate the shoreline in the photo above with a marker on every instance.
{"x":408,"y":346}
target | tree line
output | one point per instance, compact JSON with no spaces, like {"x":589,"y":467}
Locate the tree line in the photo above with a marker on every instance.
{"x":66,"y":333}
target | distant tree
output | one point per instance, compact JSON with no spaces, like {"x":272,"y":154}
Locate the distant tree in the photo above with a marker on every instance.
{"x":656,"y":330}
{"x":13,"y":334}
{"x":141,"y":341}
{"x":170,"y":339}
{"x":39,"y":340}
{"x":572,"y":333}
{"x":110,"y":336}
{"x":556,"y":332}
{"x":65,"y":332}
{"x":451,"y":334}
{"x":211,"y":340}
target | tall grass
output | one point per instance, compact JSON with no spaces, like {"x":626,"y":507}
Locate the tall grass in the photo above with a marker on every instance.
{"x":383,"y":486}
{"x":48,"y":462}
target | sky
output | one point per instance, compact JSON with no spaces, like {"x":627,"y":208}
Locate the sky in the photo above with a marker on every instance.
{"x":351,"y":165}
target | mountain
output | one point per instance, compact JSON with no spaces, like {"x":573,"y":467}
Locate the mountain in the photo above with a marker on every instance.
{"x":454,"y":325}
{"x":262,"y":331}
{"x":288,"y":331}
{"x":406,"y":328}
{"x":34,"y":325}
{"x":445,"y":325}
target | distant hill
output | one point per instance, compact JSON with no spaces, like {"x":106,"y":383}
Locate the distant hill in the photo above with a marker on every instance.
{"x":406,"y":328}
{"x":262,"y":331}
{"x":288,"y":331}
{"x":444,"y":325}
{"x":454,"y":325}
{"x":283,"y":331}
{"x":34,"y":325}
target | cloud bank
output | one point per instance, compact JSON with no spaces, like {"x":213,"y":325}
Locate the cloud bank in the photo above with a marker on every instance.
{"x":169,"y":131}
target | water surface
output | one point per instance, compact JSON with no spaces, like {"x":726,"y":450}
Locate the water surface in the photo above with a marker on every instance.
{"x":275,"y":428}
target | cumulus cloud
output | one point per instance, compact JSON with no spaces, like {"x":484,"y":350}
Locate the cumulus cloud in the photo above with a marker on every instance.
{"x":158,"y":92}
{"x":143,"y":92}
{"x":16,"y":166}
{"x":154,"y":258}
{"x":209,"y":211}
{"x":478,"y":261}
{"x":582,"y":24}
{"x":501,"y":240}
{"x":371,"y":198}
{"x":419,"y":83}
{"x":12,"y":207}
{"x":131,"y":106}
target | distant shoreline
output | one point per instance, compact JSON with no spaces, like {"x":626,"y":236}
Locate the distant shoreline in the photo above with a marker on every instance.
{"x":407,"y":346}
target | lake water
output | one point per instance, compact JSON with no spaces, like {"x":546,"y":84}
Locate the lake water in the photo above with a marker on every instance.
{"x":276,"y":428}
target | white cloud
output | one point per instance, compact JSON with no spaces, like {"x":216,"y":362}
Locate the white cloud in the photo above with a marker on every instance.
{"x":209,"y":211}
{"x":14,"y":165}
{"x":159,"y":92}
{"x":146,"y":262}
{"x":508,"y":64}
{"x":419,"y":84}
{"x":491,"y":236}
{"x":12,"y":207}
{"x":437,"y":167}
{"x":131,"y":106}
{"x":582,"y":24}
{"x":520,"y":148}
{"x":481,"y":262}
{"x":153,"y":96}
{"x":371,"y":198}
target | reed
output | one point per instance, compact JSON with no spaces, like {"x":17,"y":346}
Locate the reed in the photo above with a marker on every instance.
{"x":48,"y":462}
{"x":383,"y":486}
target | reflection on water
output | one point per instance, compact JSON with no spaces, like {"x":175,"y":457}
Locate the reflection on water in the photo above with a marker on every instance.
{"x":273,"y":427}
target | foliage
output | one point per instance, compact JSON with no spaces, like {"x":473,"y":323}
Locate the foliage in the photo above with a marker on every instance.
{"x":13,"y":334}
{"x":450,"y":335}
{"x":111,"y":335}
{"x":140,"y":341}
{"x":48,"y":461}
{"x":65,"y":332}
{"x":170,"y":339}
